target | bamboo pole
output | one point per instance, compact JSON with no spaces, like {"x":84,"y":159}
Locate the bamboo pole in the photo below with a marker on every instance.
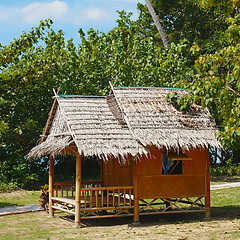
{"x":136,"y":193}
{"x":51,"y":179}
{"x":207,"y":198}
{"x":101,"y":173}
{"x":78,"y":190}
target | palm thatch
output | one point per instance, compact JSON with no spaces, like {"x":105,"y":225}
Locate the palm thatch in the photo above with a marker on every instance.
{"x":155,"y":121}
{"x":127,"y":121}
{"x":93,"y":128}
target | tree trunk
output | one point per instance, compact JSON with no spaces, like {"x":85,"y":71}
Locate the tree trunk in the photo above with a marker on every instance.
{"x":157,"y":23}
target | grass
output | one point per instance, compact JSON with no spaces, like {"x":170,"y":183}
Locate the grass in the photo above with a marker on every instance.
{"x":225,"y":222}
{"x":226,"y":198}
{"x":20,"y":197}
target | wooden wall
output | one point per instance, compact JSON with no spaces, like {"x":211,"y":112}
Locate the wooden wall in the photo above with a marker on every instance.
{"x":191,"y":183}
{"x":114,"y":174}
{"x":152,"y":183}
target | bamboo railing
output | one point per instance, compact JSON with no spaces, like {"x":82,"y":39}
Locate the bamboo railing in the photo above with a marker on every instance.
{"x":94,"y":198}
{"x":107,"y":197}
{"x":104,"y":202}
{"x":67,"y":189}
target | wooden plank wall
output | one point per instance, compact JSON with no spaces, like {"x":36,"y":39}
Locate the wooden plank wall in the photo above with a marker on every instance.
{"x":191,"y":183}
{"x":153,"y":184}
{"x":115,"y":174}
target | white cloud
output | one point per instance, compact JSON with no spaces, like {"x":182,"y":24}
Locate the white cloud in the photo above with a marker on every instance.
{"x":95,"y":14}
{"x":58,"y":11}
{"x":37,"y":11}
{"x":80,"y":16}
{"x":19,"y":15}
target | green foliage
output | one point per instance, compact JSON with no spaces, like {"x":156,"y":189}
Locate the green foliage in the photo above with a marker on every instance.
{"x":183,"y":103}
{"x":230,"y":10}
{"x":186,"y":20}
{"x":17,"y":172}
{"x":230,"y":169}
{"x":216,"y":85}
{"x":214,"y":80}
{"x":8,"y":187}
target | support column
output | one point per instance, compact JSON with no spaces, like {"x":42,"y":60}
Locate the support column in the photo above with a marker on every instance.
{"x":207,"y":198}
{"x":78,"y":190}
{"x":136,"y":193}
{"x":51,"y":180}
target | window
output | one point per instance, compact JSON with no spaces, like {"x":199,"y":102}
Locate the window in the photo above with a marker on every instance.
{"x":172,"y":163}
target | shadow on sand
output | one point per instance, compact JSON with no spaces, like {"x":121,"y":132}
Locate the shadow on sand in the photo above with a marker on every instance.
{"x":217,"y":213}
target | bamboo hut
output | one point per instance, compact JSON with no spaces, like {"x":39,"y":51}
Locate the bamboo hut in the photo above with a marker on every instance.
{"x":154,"y":158}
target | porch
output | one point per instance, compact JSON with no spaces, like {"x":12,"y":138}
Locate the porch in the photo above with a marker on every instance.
{"x":95,"y":201}
{"x":105,"y":202}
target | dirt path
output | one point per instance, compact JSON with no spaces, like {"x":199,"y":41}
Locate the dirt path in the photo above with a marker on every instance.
{"x":20,"y":209}
{"x":225,"y":185}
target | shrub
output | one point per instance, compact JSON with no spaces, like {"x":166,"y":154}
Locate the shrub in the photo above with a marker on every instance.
{"x":230,"y":169}
{"x":8,"y":187}
{"x":44,"y":197}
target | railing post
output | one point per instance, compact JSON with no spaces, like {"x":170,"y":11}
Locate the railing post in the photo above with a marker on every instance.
{"x":50,"y":183}
{"x":78,"y":190}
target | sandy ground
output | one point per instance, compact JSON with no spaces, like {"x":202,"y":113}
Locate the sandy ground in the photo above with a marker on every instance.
{"x":223,"y":225}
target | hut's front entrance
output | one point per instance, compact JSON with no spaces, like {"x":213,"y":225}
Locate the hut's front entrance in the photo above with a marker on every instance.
{"x":93,"y":198}
{"x":135,"y":188}
{"x":96,"y":201}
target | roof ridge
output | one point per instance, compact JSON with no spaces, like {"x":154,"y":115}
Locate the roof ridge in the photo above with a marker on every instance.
{"x":88,"y":96}
{"x":168,"y":88}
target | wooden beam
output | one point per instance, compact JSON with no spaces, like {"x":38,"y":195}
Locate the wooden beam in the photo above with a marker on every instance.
{"x":207,"y":184}
{"x":64,"y":210}
{"x":78,"y":190}
{"x":101,"y":172}
{"x":51,"y":180}
{"x":136,"y":192}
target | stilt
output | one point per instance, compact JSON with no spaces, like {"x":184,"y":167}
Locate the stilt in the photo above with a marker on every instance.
{"x":78,"y":190}
{"x":207,"y":198}
{"x":51,"y":179}
{"x":136,"y":194}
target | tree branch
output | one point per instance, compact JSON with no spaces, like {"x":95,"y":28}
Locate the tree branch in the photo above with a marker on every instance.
{"x":229,"y":88}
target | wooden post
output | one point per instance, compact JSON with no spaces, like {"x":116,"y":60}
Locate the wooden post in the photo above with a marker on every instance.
{"x":136,"y":193}
{"x":51,"y":179}
{"x":207,"y":198}
{"x":101,"y":172}
{"x":78,"y":190}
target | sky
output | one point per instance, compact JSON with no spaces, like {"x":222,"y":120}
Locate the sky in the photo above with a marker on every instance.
{"x":17,"y":16}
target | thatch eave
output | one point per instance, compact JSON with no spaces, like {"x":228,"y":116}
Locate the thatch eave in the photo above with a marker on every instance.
{"x":52,"y":145}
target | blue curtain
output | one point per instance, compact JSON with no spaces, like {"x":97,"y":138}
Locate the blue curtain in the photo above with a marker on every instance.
{"x":167,"y":162}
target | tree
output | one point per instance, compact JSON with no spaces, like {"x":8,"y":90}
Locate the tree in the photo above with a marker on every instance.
{"x":215,"y":81}
{"x":29,"y":72}
{"x":186,"y":20}
{"x":222,"y":71}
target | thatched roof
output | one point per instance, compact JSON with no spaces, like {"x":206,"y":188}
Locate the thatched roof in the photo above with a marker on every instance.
{"x":127,"y":121}
{"x":157,"y":122}
{"x":86,"y":124}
